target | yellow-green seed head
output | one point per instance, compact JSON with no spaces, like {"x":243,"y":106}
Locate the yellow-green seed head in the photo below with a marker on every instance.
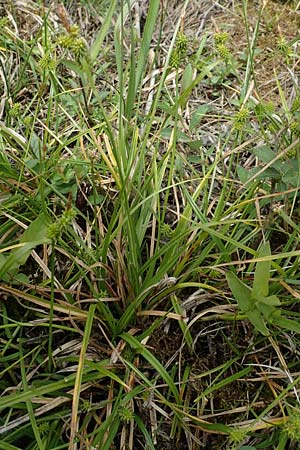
{"x":48,"y":62}
{"x":54,"y":231}
{"x":269,"y":107}
{"x":85,"y":405}
{"x":175,"y":59}
{"x":295,"y":105}
{"x":74,"y":30}
{"x":223,"y":51}
{"x":4,"y":21}
{"x":65,"y":41}
{"x":181,"y":42}
{"x":78,"y":48}
{"x":44,"y":428}
{"x":126,"y":414}
{"x":295,"y":128}
{"x":166,"y":230}
{"x":241,"y":118}
{"x":221,"y":38}
{"x":292,"y":427}
{"x":283,"y":46}
{"x":237,"y":435}
{"x":28,"y":120}
{"x":15,"y":110}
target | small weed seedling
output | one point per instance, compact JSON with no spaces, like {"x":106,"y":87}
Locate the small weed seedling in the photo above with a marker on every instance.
{"x":258,"y":306}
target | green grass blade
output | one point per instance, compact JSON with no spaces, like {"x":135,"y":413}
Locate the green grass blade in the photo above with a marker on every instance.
{"x":98,"y":42}
{"x":162,"y":372}
{"x":146,"y":39}
{"x":79,"y":375}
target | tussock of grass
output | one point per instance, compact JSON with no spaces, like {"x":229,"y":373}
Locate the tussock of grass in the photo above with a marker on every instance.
{"x":149,"y":227}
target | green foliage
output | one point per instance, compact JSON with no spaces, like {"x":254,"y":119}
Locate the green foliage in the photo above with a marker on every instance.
{"x":258,"y":306}
{"x":34,"y":235}
{"x":241,"y":118}
{"x":179,"y":53}
{"x":126,"y":190}
{"x":283,"y":171}
{"x":292,"y":426}
{"x":55,"y":229}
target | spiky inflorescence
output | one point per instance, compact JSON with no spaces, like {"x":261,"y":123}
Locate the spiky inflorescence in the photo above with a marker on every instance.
{"x":269,"y":107}
{"x":55,"y":229}
{"x":4,"y":21}
{"x":284,"y":47}
{"x":292,"y":426}
{"x":175,"y":59}
{"x":48,"y":62}
{"x":221,"y":38}
{"x":295,"y":130}
{"x":241,"y":118}
{"x":295,"y":105}
{"x":78,"y":48}
{"x":65,"y":41}
{"x":15,"y":110}
{"x":74,"y":30}
{"x":181,"y":43}
{"x":126,"y":414}
{"x":166,"y":230}
{"x":223,"y":51}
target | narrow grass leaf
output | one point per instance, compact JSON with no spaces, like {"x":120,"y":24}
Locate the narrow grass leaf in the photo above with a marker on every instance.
{"x":142,"y":350}
{"x":6,"y":446}
{"x":29,"y":405}
{"x":79,"y":375}
{"x":96,"y":47}
{"x":143,"y":429}
{"x":225,"y":382}
{"x":146,"y":39}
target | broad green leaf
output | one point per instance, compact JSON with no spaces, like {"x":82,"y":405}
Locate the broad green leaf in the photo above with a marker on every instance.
{"x":243,"y":295}
{"x":17,"y":257}
{"x":187,"y":77}
{"x":288,"y":324}
{"x":269,"y":173}
{"x":197,"y":116}
{"x":187,"y":92}
{"x":12,"y":137}
{"x":266,"y":155}
{"x":271,"y":300}
{"x":257,"y":320}
{"x":36,"y":234}
{"x":266,"y":310}
{"x":241,"y":292}
{"x":262,"y":273}
{"x":37,"y":230}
